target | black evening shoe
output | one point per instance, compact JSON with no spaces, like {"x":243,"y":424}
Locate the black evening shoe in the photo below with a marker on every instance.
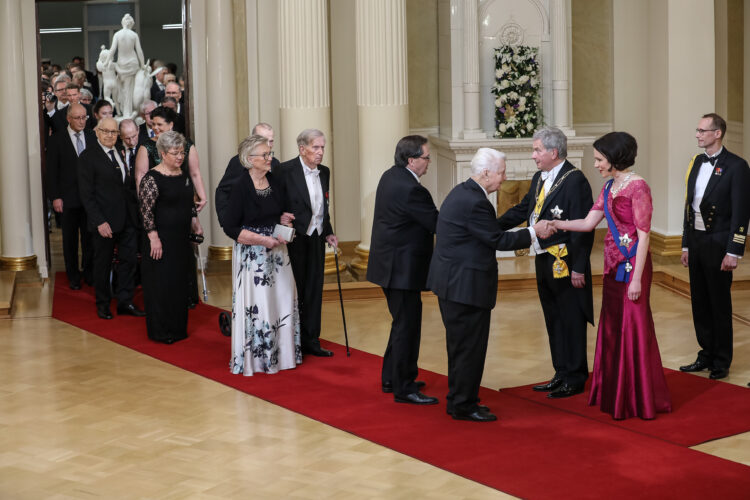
{"x":697,"y":366}
{"x":549,"y":386}
{"x":718,"y":373}
{"x":565,"y":391}
{"x":225,"y":323}
{"x":104,"y":312}
{"x":130,"y":309}
{"x":416,"y":398}
{"x":477,"y":415}
{"x":318,"y":351}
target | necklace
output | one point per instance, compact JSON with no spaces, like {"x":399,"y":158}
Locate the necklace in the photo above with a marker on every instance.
{"x":617,"y":189}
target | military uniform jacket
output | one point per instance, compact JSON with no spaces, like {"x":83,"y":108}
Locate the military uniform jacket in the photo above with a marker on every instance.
{"x":725,"y":206}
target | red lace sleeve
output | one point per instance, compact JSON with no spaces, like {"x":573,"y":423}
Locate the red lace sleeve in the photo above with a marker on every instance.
{"x":599,"y":205}
{"x":642,"y":205}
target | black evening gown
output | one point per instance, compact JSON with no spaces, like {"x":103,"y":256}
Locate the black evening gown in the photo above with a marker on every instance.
{"x":167,"y":207}
{"x":153,"y":160}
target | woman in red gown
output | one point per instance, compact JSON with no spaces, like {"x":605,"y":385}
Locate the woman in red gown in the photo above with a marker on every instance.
{"x":628,"y":378}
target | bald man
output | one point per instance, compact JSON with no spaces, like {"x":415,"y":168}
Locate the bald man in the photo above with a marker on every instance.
{"x":108,"y":194}
{"x":63,"y":150}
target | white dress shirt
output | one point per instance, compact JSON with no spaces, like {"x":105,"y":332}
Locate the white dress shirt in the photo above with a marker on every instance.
{"x":704,"y":175}
{"x":315,"y":189}
{"x":72,"y":133}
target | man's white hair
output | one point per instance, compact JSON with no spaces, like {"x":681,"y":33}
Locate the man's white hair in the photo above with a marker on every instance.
{"x":486,"y":159}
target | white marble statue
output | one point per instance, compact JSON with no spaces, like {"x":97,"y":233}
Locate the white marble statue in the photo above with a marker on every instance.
{"x":109,"y":76}
{"x":142,"y":86}
{"x":127,"y":46}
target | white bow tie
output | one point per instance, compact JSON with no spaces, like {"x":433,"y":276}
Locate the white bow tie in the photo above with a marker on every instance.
{"x":314,"y":172}
{"x":545,"y":175}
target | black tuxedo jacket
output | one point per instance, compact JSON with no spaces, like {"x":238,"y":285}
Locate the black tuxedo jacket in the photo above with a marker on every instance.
{"x":224,"y":189}
{"x":464,"y":266}
{"x":403,"y":228}
{"x":123,"y":156}
{"x":105,"y":196}
{"x":157,"y":94}
{"x":571,"y":193}
{"x":725,"y":207}
{"x":298,"y":198}
{"x":62,"y":167}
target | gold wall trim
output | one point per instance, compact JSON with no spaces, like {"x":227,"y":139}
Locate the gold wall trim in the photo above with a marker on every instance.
{"x":18,"y":263}
{"x":665,"y":245}
{"x":219,"y":253}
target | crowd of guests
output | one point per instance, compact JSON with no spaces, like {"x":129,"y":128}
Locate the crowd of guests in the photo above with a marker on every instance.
{"x":127,"y":189}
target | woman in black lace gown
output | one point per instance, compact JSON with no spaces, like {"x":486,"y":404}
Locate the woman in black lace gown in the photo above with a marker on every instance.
{"x":148,"y":157}
{"x":169,"y":214}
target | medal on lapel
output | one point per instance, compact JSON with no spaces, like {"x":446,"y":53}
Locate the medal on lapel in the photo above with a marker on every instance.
{"x":718,"y":171}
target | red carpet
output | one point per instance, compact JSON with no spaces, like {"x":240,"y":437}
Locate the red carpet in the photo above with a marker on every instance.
{"x":534,"y":451}
{"x":702,"y":409}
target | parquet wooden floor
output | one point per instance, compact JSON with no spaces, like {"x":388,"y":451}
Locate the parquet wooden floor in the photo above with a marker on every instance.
{"x":82,"y":417}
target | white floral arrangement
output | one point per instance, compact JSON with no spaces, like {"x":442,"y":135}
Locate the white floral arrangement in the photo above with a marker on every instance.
{"x":517,"y":104}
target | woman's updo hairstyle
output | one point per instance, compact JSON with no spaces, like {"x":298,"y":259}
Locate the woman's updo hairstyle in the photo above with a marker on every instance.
{"x":619,"y":148}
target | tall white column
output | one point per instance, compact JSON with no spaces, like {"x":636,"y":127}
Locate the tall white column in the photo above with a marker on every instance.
{"x":221,"y":113}
{"x":472,"y":128}
{"x":382,"y":101}
{"x":303,"y":73}
{"x":15,"y":228}
{"x":560,"y":63}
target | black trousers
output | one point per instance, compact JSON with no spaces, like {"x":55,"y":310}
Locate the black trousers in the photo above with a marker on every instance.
{"x":307,"y":255}
{"x":402,"y":352}
{"x":104,"y":248}
{"x":467,"y":330}
{"x":711,"y":298}
{"x":565,"y":321}
{"x":74,"y":229}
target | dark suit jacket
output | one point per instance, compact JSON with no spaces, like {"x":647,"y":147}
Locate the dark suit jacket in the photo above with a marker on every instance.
{"x":62,"y":167}
{"x":725,"y":207}
{"x":157,"y":94}
{"x":298,"y":198}
{"x":143,"y":134}
{"x":403,"y":228}
{"x":570,"y":192}
{"x":104,"y":195}
{"x":59,"y":120}
{"x":464,"y":267}
{"x":224,"y":189}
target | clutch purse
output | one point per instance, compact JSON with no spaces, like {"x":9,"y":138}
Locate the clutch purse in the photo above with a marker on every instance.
{"x":285,"y":232}
{"x":196,"y":238}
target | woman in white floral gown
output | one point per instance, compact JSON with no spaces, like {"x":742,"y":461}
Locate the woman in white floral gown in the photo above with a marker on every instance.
{"x":265,"y":318}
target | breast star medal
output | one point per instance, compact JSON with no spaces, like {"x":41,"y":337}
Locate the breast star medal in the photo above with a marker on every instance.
{"x":625,"y":240}
{"x":557,"y":212}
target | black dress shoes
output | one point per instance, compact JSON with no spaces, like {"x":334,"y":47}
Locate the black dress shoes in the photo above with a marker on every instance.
{"x":131,"y":310}
{"x":698,"y":365}
{"x":75,"y":285}
{"x":718,"y":373}
{"x":478,"y":415}
{"x":416,"y":398}
{"x":565,"y":391}
{"x":549,"y":386}
{"x":387,"y":387}
{"x":318,"y":351}
{"x":481,"y":408}
{"x":104,"y":312}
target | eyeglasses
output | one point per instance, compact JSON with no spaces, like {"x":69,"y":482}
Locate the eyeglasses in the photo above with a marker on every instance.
{"x":704,"y":130}
{"x":176,"y":154}
{"x":78,"y":117}
{"x":107,"y":132}
{"x":422,"y":157}
{"x":265,"y":156}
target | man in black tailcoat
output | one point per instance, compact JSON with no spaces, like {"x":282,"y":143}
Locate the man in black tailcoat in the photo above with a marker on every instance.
{"x":717,"y":208}
{"x":108,"y":194}
{"x":307,"y":182}
{"x":403,"y":228}
{"x":63,"y":149}
{"x":463,"y":274}
{"x":563,"y":269}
